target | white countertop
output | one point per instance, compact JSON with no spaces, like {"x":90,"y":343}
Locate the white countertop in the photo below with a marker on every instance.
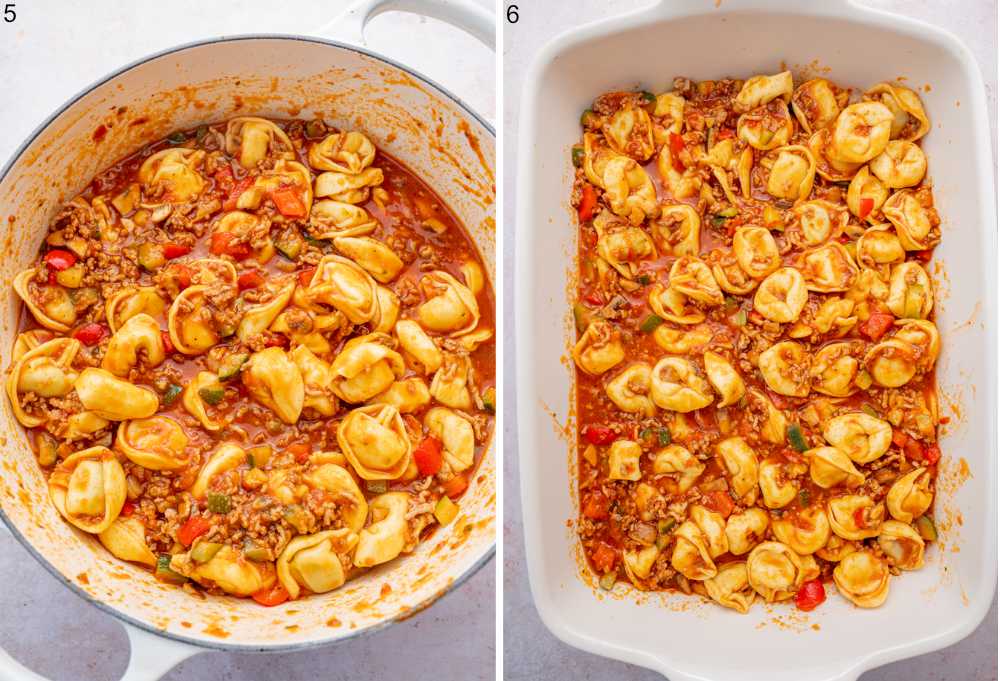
{"x":530,"y":651}
{"x":52,"y":51}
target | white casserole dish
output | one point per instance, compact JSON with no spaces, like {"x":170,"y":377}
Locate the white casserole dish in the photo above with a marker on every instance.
{"x":680,"y":636}
{"x":433,"y":133}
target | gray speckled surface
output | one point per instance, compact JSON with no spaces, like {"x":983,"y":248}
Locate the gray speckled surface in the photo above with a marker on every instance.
{"x":530,"y":650}
{"x":47,"y":55}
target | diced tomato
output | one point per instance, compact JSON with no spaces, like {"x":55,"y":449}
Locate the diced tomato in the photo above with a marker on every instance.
{"x":456,"y":485}
{"x":234,"y":194}
{"x":876,"y":326}
{"x":588,"y":202}
{"x":182,"y":274}
{"x":914,"y":450}
{"x":128,"y":508}
{"x":192,"y":529}
{"x":810,"y":595}
{"x":598,"y":435}
{"x":932,"y":454}
{"x":725,"y":133}
{"x":944,"y":420}
{"x":427,"y":456}
{"x":222,"y":244}
{"x":300,"y":450}
{"x":721,"y":502}
{"x":288,"y":203}
{"x":276,"y":595}
{"x":924,"y":256}
{"x":306,"y":275}
{"x":594,"y":298}
{"x":90,"y":334}
{"x":596,"y":506}
{"x":58,"y":259}
{"x":168,"y":345}
{"x":859,"y":517}
{"x":865,"y":208}
{"x":249,"y":279}
{"x":171,"y":251}
{"x":676,"y":147}
{"x":604,"y":558}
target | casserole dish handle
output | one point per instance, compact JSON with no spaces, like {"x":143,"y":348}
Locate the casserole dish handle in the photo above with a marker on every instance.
{"x":463,"y":14}
{"x":150,"y":657}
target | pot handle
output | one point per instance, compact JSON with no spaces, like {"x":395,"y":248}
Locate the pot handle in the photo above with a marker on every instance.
{"x":463,"y":14}
{"x":150,"y":657}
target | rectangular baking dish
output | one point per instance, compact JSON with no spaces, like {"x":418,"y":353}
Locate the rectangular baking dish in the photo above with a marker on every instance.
{"x":679,"y":636}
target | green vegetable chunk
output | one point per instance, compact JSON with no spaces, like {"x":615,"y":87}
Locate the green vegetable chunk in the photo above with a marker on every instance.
{"x":167,"y":574}
{"x":205,"y":551}
{"x":212,"y":394}
{"x":578,"y":155}
{"x":608,"y":581}
{"x":219,"y":503}
{"x":171,"y":394}
{"x":926,"y":529}
{"x":232,"y":364}
{"x":796,"y":439}
{"x":490,"y":400}
{"x":664,"y":437}
{"x":650,"y":323}
{"x":150,"y":256}
{"x":258,"y":554}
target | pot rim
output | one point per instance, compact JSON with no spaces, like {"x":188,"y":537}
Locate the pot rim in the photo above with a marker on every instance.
{"x":111,"y":610}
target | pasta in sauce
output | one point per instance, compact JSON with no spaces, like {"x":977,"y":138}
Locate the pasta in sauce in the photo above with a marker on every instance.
{"x":258,"y":358}
{"x":756,"y":342}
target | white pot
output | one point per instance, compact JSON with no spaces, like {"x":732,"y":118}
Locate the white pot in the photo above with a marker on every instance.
{"x":428,"y":129}
{"x":679,"y":636}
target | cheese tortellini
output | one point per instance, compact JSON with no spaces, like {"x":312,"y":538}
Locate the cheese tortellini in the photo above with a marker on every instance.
{"x":375,"y":441}
{"x":88,"y":488}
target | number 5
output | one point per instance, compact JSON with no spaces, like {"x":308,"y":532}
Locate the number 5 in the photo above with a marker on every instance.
{"x":9,"y":15}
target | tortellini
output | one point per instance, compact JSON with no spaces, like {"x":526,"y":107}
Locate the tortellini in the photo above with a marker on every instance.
{"x":112,"y":398}
{"x":861,"y":132}
{"x":630,"y":390}
{"x":46,"y":371}
{"x":855,"y":516}
{"x":676,"y":462}
{"x":138,"y":339}
{"x":125,"y":538}
{"x":458,"y":438}
{"x":624,"y":247}
{"x":49,"y":304}
{"x":724,"y":378}
{"x":128,"y":303}
{"x":829,"y":268}
{"x":805,"y":531}
{"x":251,"y":139}
{"x":909,"y":121}
{"x":88,"y":488}
{"x":902,"y":164}
{"x":274,"y":381}
{"x":740,"y":462}
{"x":776,"y":572}
{"x":910,"y":496}
{"x":677,"y":385}
{"x":829,"y":467}
{"x":762,"y":89}
{"x":257,"y":318}
{"x":366,"y":366}
{"x":195,"y":405}
{"x":226,"y":458}
{"x":599,"y":348}
{"x":639,"y":564}
{"x":781,"y":296}
{"x":777,"y":482}
{"x":866,"y":195}
{"x":699,"y":541}
{"x":766,"y":127}
{"x":862,"y":579}
{"x":693,"y":279}
{"x":862,"y":437}
{"x":374,"y":256}
{"x":902,"y":545}
{"x":818,"y":221}
{"x":835,"y":368}
{"x":317,"y":380}
{"x":158,"y":443}
{"x":331,"y":219}
{"x":791,"y":170}
{"x":450,"y":385}
{"x":785,"y":368}
{"x":189,"y":322}
{"x":175,"y":172}
{"x":343,"y":284}
{"x":816,"y":103}
{"x":385,"y":538}
{"x":449,"y":306}
{"x":315,"y":562}
{"x":374,"y":440}
{"x":910,"y":292}
{"x":756,"y":251}
{"x":629,"y":189}
{"x":629,"y":131}
{"x":345,"y":152}
{"x":623,"y":460}
{"x":913,"y":221}
{"x":879,"y":249}
{"x":227,"y":570}
{"x":417,"y":347}
{"x":677,"y":231}
{"x":351,"y":188}
{"x":731,"y":587}
{"x":746,"y":529}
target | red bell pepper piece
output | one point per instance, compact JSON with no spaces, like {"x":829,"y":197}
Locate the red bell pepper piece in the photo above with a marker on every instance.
{"x":90,"y":334}
{"x":168,"y":345}
{"x":276,"y":595}
{"x":288,"y":203}
{"x":192,"y":529}
{"x":456,"y":485}
{"x":222,"y":244}
{"x":588,"y":203}
{"x":932,"y":454}
{"x":676,"y":147}
{"x":306,"y":275}
{"x":598,"y":435}
{"x":596,"y":506}
{"x":300,"y":450}
{"x":604,"y":558}
{"x":722,"y":503}
{"x":57,"y":259}
{"x":810,"y":595}
{"x":428,"y":457}
{"x":171,"y":251}
{"x":236,"y":191}
{"x":865,"y":207}
{"x":249,"y":279}
{"x":876,"y":325}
